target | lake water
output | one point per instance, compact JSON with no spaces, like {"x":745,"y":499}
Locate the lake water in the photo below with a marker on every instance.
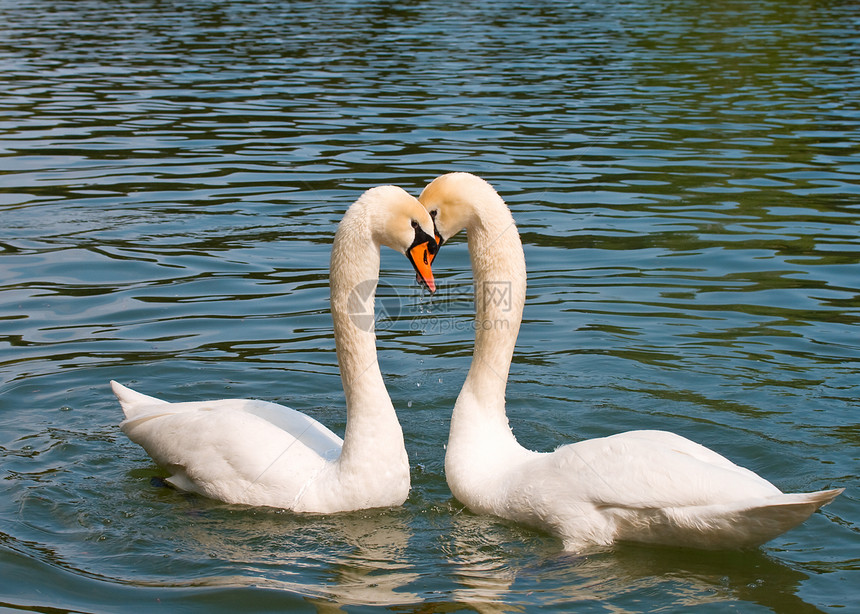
{"x":686,"y":179}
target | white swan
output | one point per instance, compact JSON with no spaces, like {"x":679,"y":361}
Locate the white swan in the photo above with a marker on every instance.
{"x":644,"y":486}
{"x":258,"y":453}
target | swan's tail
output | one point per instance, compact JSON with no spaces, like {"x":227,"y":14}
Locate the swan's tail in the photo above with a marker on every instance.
{"x":749,"y":523}
{"x":785,"y":512}
{"x":133,"y":403}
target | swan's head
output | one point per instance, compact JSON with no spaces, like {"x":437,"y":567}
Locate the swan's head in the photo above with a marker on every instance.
{"x":453,"y":201}
{"x":400,"y":222}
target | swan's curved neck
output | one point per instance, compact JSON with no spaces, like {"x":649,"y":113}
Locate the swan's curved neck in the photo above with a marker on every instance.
{"x":480,"y":441}
{"x":498,"y":268}
{"x":371,"y":418}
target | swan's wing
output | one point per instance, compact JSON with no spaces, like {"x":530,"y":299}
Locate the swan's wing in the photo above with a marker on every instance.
{"x":225,"y":452}
{"x":650,"y":469}
{"x":651,"y":486}
{"x":140,"y":408}
{"x":681,"y":445}
{"x":215,"y":420}
{"x":312,"y":433}
{"x":235,"y":450}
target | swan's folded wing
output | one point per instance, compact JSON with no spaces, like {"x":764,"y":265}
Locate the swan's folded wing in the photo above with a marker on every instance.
{"x":312,"y":433}
{"x":638,"y":470}
{"x":237,"y":451}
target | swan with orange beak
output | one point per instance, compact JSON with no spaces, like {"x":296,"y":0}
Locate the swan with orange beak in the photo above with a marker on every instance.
{"x":642,"y":486}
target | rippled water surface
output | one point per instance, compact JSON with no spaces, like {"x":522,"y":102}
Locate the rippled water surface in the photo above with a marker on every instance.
{"x":685,"y":178}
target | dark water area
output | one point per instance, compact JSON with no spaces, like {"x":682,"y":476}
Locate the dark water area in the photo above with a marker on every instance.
{"x":686,"y":180}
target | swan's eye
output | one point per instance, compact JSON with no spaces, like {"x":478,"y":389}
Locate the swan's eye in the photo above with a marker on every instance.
{"x":414,"y":224}
{"x":433,"y":214}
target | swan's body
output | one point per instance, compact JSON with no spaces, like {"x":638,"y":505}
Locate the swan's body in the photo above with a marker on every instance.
{"x":645,"y":486}
{"x":258,"y":453}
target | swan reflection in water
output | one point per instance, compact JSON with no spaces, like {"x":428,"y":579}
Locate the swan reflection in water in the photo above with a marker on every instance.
{"x":376,"y":569}
{"x":501,"y":567}
{"x":333,"y":561}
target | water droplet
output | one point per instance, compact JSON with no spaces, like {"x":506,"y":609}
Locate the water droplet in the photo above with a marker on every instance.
{"x":65,"y":408}
{"x":418,"y":385}
{"x":409,"y":404}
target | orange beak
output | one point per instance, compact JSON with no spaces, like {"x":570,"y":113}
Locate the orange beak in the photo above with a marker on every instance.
{"x":420,"y":257}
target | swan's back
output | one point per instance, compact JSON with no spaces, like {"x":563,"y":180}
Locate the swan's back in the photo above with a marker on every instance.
{"x":654,"y":487}
{"x":649,"y":469}
{"x":235,"y":450}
